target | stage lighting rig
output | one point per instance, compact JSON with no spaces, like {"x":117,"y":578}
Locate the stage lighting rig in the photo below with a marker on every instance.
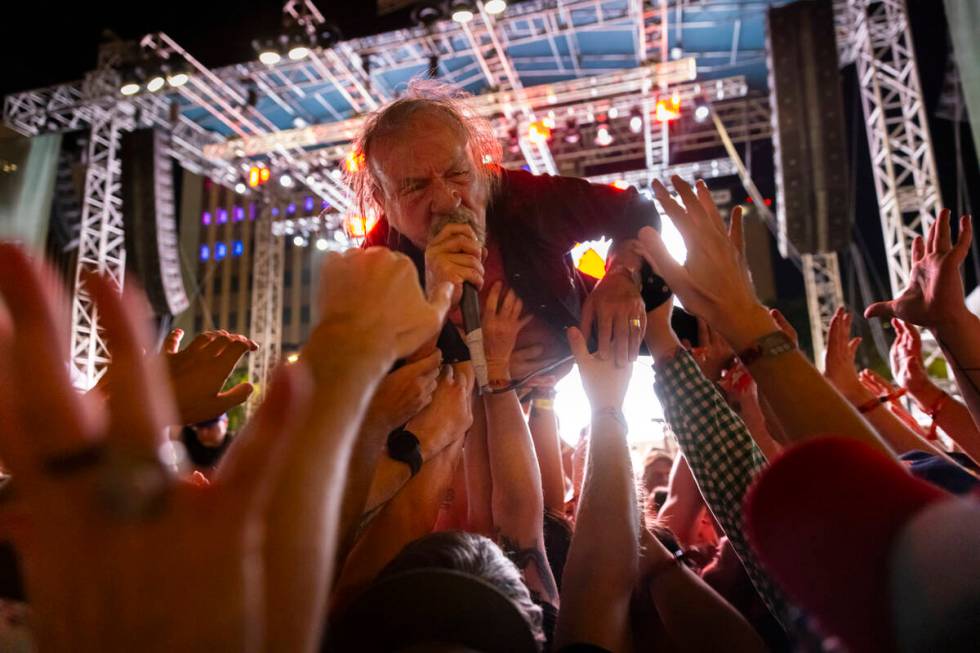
{"x":462,"y":11}
{"x":495,"y":7}
{"x":636,"y":121}
{"x":701,"y":110}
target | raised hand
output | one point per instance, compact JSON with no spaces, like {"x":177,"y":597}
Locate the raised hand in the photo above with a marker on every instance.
{"x":839,"y":362}
{"x":90,"y":474}
{"x":605,"y":382}
{"x":905,"y":357}
{"x":713,"y":354}
{"x":451,"y":409}
{"x":502,"y":322}
{"x":396,"y":321}
{"x":714,"y":281}
{"x":617,"y":311}
{"x":935,"y":295}
{"x":454,"y":255}
{"x":403,"y":393}
{"x":880,"y":386}
{"x":198,"y":373}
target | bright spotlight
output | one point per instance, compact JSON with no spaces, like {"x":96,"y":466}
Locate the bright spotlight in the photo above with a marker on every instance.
{"x":130,"y":88}
{"x":240,"y":188}
{"x":461,"y":11}
{"x":178,"y":79}
{"x":298,"y":52}
{"x":602,"y":136}
{"x":285,"y":181}
{"x":269,"y":57}
{"x":636,"y":124}
{"x":322,"y":244}
{"x":155,"y":84}
{"x":701,"y":112}
{"x":494,"y":7}
{"x":299,"y":241}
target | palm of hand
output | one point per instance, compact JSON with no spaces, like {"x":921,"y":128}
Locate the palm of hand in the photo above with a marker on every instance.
{"x":935,"y":289}
{"x":198,"y":373}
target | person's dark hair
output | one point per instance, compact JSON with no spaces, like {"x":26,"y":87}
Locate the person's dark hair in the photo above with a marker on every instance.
{"x":471,"y":554}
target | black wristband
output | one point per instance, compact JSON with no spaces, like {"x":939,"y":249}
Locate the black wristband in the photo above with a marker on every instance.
{"x":404,"y":447}
{"x":653,"y":289}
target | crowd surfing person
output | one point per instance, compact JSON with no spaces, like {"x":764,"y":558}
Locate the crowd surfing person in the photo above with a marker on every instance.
{"x":376,"y":502}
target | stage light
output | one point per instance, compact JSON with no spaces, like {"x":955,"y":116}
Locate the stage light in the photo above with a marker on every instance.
{"x":178,"y":79}
{"x":240,"y":188}
{"x":129,"y":88}
{"x":701,"y":111}
{"x":613,"y":113}
{"x":298,"y":52}
{"x":264,"y":175}
{"x":292,"y":358}
{"x":205,"y":253}
{"x":322,"y":244}
{"x":237,"y":248}
{"x":668,"y":108}
{"x":494,"y":7}
{"x":572,"y":134}
{"x":222,"y":216}
{"x":621,"y":184}
{"x":676,"y":53}
{"x":220,"y":251}
{"x":156,"y":83}
{"x":285,"y":181}
{"x":353,"y":161}
{"x":602,"y":136}
{"x":270,"y":57}
{"x":538,"y":132}
{"x":461,"y":11}
{"x":238,"y":214}
{"x":299,"y":241}
{"x":359,"y":226}
{"x":253,"y":177}
{"x":206,"y":218}
{"x":636,"y":121}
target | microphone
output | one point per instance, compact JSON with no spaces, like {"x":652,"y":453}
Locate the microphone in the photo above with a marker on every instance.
{"x":469,"y":304}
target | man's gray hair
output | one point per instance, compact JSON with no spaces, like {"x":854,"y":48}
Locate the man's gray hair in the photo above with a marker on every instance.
{"x":421,"y":95}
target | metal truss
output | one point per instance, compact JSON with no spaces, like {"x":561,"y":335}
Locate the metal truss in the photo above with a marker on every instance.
{"x":266,"y":305}
{"x":821,"y":277}
{"x":101,"y":245}
{"x":895,"y":121}
{"x":596,"y":91}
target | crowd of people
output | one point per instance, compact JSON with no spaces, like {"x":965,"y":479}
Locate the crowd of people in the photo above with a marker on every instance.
{"x":382,"y":498}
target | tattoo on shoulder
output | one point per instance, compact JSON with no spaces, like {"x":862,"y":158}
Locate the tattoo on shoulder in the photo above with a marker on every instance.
{"x":523,"y":557}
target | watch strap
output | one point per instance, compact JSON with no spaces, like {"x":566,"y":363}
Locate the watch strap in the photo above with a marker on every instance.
{"x":404,"y":447}
{"x":771,"y":344}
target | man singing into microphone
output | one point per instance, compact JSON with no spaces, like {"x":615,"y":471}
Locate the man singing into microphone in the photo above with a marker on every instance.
{"x":428,"y":162}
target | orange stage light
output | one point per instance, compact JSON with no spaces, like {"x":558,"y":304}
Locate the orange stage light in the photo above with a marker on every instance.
{"x":253,"y":177}
{"x":264,"y":175}
{"x":359,"y":226}
{"x":538,"y":132}
{"x":621,"y":184}
{"x":668,"y":108}
{"x":592,"y":264}
{"x":353,"y":161}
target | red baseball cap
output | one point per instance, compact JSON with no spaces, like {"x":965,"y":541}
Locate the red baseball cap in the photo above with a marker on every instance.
{"x":825,"y":518}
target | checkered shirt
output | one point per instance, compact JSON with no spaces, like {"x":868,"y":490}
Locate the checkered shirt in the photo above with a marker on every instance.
{"x":722,"y":457}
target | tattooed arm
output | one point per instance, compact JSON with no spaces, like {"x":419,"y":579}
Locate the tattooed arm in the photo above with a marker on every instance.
{"x":517,"y":504}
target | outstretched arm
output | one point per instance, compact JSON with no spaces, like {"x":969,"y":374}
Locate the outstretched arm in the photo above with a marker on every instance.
{"x":602,"y":562}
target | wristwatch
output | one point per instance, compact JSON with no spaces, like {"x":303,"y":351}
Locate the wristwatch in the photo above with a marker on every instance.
{"x":404,"y":447}
{"x":771,"y":344}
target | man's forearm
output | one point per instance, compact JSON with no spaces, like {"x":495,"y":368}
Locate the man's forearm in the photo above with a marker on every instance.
{"x":544,"y":432}
{"x":602,"y":562}
{"x":960,"y":342}
{"x":518,"y":507}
